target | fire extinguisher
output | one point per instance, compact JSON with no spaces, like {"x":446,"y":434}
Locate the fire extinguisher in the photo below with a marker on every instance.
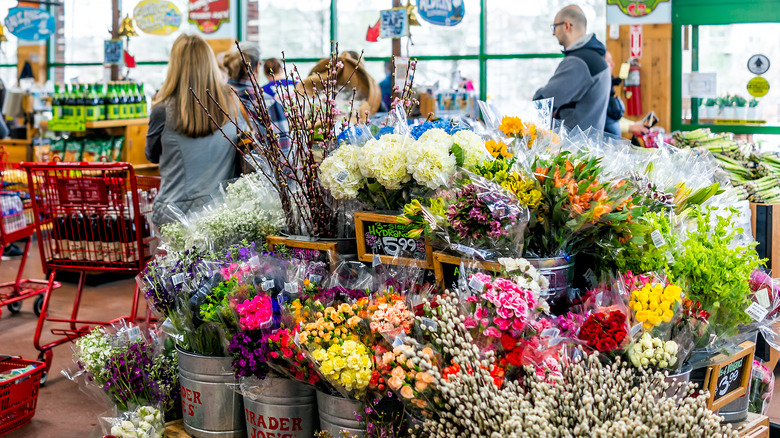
{"x":633,"y":91}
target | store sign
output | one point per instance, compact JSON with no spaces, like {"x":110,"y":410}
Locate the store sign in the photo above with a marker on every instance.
{"x":157,"y":17}
{"x":441,"y":12}
{"x":635,"y":41}
{"x":758,"y":64}
{"x":381,"y":236}
{"x":758,"y":87}
{"x":395,"y":23}
{"x":729,"y":377}
{"x":112,"y":52}
{"x":30,"y":23}
{"x":209,"y":14}
{"x":639,"y":11}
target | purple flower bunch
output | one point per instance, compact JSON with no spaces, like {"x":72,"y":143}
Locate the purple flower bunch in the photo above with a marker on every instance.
{"x":250,"y":352}
{"x":128,"y":379}
{"x":163,"y":278}
{"x":478,"y":215}
{"x":569,"y":324}
{"x":340,"y":294}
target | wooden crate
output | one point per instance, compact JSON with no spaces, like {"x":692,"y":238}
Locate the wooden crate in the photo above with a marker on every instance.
{"x":755,"y":426}
{"x":312,"y":251}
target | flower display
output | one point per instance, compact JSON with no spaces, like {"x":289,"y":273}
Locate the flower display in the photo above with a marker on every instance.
{"x":255,"y":313}
{"x":605,"y":330}
{"x":287,"y":358}
{"x":649,"y":351}
{"x":653,"y":303}
{"x":502,"y":172}
{"x":429,"y":160}
{"x":384,"y":160}
{"x":472,"y":147}
{"x":409,"y":372}
{"x":761,"y":388}
{"x":389,"y":314}
{"x":340,"y":172}
{"x":500,"y":306}
{"x":478,"y":214}
{"x":498,"y":150}
{"x":142,"y":422}
{"x":347,"y":364}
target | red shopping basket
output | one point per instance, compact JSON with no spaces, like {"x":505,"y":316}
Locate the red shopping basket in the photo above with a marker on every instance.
{"x":18,"y":395}
{"x":90,"y":218}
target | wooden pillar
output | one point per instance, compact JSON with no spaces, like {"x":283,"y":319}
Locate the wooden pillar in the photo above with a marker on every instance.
{"x":396,"y":41}
{"x":655,"y":68}
{"x":115,"y":10}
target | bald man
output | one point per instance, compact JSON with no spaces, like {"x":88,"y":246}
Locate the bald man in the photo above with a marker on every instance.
{"x":580,"y":85}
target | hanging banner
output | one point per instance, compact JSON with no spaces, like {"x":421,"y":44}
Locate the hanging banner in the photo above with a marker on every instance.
{"x":395,"y":23}
{"x":157,"y":17}
{"x":441,"y":12}
{"x":209,"y":14}
{"x":30,"y":23}
{"x":639,"y":11}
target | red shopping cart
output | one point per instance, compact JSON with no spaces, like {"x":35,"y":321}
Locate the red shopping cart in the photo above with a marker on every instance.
{"x":18,"y":394}
{"x":17,"y":223}
{"x":90,"y":218}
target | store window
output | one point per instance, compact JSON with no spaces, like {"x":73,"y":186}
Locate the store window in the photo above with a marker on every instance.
{"x":84,"y":32}
{"x":299,"y":28}
{"x":725,"y":51}
{"x":443,"y":74}
{"x":8,"y":48}
{"x":512,"y":82}
{"x":523,"y":26}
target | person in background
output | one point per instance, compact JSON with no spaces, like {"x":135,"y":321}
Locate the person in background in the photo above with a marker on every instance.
{"x":386,"y":86}
{"x":616,"y":124}
{"x":580,"y":85}
{"x":193,"y":154}
{"x":274,"y":72}
{"x":238,"y":76}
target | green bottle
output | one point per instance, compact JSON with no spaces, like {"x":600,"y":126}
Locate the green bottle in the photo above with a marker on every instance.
{"x":101,"y":96}
{"x":92,"y":108}
{"x":56,"y":103}
{"x":113,"y":102}
{"x":81,"y":102}
{"x":67,"y":103}
{"x":124,"y":108}
{"x":142,"y":104}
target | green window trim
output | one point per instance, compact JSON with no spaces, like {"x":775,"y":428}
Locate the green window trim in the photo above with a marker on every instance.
{"x":712,"y":12}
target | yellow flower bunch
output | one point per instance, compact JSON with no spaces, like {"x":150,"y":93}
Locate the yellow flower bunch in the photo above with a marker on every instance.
{"x":498,"y":150}
{"x":511,"y":126}
{"x":654,"y":304}
{"x":524,"y":189}
{"x":347,"y":364}
{"x":334,"y":325}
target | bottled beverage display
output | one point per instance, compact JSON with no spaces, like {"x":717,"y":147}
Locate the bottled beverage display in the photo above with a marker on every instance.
{"x":94,"y":102}
{"x":12,"y":213}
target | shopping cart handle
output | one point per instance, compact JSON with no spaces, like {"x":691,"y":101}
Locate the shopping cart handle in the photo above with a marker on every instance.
{"x":5,"y":357}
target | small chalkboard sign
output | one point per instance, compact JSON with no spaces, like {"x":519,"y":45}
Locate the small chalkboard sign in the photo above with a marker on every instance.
{"x":447,"y":267}
{"x":381,"y":234}
{"x":311,"y":251}
{"x":728,"y":379}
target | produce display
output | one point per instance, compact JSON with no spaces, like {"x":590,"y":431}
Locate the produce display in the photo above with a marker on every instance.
{"x":592,"y":277}
{"x":755,"y":174}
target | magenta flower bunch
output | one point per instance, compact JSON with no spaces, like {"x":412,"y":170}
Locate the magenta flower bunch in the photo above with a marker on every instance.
{"x":255,"y":313}
{"x":501,"y":306}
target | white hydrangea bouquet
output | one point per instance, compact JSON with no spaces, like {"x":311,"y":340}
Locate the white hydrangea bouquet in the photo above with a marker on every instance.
{"x":249,"y":210}
{"x":388,"y":171}
{"x":142,"y":422}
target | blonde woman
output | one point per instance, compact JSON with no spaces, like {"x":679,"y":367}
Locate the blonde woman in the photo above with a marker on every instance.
{"x":193,"y":154}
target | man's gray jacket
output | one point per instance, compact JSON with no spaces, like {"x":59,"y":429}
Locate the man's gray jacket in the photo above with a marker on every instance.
{"x":580,"y":85}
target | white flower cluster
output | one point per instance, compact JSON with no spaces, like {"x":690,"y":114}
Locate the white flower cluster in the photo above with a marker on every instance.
{"x":143,"y":422}
{"x":650,"y":351}
{"x":92,"y":352}
{"x":250,"y":210}
{"x":589,"y":399}
{"x":525,"y":275}
{"x":393,"y":161}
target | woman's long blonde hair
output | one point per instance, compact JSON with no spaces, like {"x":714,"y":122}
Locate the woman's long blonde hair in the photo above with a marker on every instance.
{"x":193,"y":65}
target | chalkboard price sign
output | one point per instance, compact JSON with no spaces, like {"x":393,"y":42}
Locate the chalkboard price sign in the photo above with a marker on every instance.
{"x":447,"y":269}
{"x":728,"y":379}
{"x":326,"y":252}
{"x":382,"y":235}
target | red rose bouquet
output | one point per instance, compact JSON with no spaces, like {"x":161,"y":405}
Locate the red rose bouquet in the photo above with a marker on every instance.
{"x":605,"y":330}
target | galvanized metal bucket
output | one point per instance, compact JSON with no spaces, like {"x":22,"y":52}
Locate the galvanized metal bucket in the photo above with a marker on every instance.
{"x":674,"y":380}
{"x":337,"y":414}
{"x":210,"y":407}
{"x":558,"y":270}
{"x":285,"y":409}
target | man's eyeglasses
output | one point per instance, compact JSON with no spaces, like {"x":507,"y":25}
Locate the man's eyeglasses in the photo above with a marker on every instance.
{"x":554,"y":25}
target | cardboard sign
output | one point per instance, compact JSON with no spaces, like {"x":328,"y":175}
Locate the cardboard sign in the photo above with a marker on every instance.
{"x":30,"y":23}
{"x":311,"y":251}
{"x":728,"y":379}
{"x":209,"y":14}
{"x":73,"y":124}
{"x":383,"y":236}
{"x":112,"y":52}
{"x":157,"y":17}
{"x":447,"y":267}
{"x":442,"y":12}
{"x":395,"y":23}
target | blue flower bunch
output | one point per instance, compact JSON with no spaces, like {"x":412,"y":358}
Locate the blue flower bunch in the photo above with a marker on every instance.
{"x":448,"y":127}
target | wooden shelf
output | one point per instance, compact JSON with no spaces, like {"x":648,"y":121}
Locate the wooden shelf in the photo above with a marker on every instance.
{"x":116,"y":123}
{"x":15,"y":142}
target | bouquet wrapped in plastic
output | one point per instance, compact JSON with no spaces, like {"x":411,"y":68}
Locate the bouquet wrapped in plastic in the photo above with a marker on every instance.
{"x":605,"y":329}
{"x":762,"y":385}
{"x":140,"y":422}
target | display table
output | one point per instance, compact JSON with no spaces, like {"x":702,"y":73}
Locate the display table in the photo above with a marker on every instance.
{"x":175,"y":429}
{"x":756,"y":426}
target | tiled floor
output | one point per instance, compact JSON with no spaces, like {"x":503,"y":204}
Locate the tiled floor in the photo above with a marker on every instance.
{"x":64,"y":411}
